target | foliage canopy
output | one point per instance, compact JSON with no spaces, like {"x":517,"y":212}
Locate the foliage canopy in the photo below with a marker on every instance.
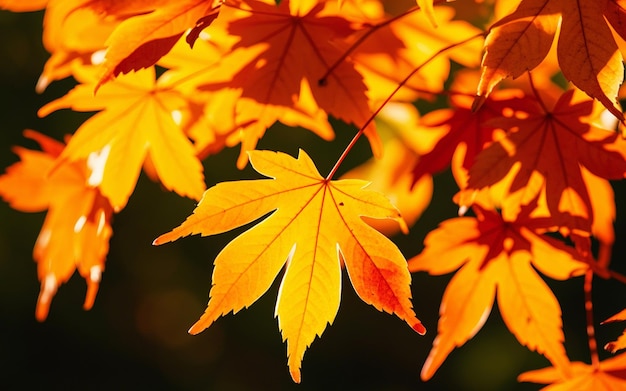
{"x":521,"y":99}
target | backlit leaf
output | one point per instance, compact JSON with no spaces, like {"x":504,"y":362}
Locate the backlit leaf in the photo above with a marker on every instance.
{"x":314,"y":225}
{"x":135,"y":121}
{"x":497,"y":258}
{"x":587,"y":52}
{"x":76,"y":231}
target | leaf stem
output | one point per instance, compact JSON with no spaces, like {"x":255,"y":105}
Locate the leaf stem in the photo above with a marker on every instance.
{"x":393,"y":93}
{"x":591,"y":331}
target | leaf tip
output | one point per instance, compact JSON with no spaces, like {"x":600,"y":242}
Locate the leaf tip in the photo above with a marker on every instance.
{"x":478,"y":102}
{"x":197,"y":328}
{"x":610,"y":347}
{"x":427,"y":369}
{"x":419,"y":328}
{"x":295,"y":375}
{"x":49,"y":287}
{"x":165,"y":238}
{"x":403,"y":226}
{"x":93,"y":283}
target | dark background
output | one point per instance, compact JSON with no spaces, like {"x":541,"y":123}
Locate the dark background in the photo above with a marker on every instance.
{"x":135,"y":336}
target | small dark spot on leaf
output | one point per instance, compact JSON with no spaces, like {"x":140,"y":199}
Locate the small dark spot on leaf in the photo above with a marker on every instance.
{"x":341,"y":204}
{"x":322,"y":82}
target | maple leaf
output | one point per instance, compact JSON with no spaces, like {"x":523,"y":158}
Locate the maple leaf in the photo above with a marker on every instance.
{"x":497,"y":256}
{"x":608,"y":376}
{"x":73,"y":32}
{"x":140,"y":41}
{"x":315,"y":225}
{"x":76,"y":231}
{"x":223,"y":117}
{"x":546,"y":148}
{"x":389,"y":54}
{"x":587,"y":52}
{"x":123,"y":144}
{"x":278,"y":47}
{"x":460,"y":131}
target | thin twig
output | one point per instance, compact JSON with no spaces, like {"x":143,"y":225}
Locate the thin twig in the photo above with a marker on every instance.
{"x":393,"y":93}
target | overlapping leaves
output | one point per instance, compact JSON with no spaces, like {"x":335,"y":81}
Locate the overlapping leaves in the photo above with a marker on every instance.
{"x":530,"y":160}
{"x":496,"y":256}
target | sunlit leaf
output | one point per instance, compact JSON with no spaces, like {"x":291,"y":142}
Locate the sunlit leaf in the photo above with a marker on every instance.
{"x":314,"y":225}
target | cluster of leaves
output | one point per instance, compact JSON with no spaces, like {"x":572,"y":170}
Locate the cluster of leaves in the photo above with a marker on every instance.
{"x":532,"y":157}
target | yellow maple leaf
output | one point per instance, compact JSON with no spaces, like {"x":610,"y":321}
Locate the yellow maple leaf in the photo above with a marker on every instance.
{"x":314,"y":226}
{"x":135,"y":123}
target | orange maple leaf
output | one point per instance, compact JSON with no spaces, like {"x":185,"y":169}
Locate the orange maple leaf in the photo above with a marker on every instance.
{"x":75,"y":31}
{"x":608,"y":376}
{"x":280,"y":46}
{"x":135,"y":124}
{"x":460,"y":131}
{"x":138,"y":42}
{"x":545,"y":148}
{"x":223,"y":117}
{"x":588,"y":54}
{"x":76,"y":231}
{"x":314,"y":226}
{"x":497,"y":256}
{"x":389,"y":54}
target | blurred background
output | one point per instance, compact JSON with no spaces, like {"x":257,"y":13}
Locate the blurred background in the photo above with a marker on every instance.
{"x":136,"y":334}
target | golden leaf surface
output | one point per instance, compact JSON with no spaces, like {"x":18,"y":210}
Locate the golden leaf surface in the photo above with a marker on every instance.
{"x":587,"y":51}
{"x":134,"y":123}
{"x":315,"y":224}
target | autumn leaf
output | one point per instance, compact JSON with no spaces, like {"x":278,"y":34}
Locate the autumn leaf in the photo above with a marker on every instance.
{"x":223,"y":117}
{"x":140,"y":41}
{"x":135,"y":123}
{"x":608,"y":376}
{"x":76,"y":231}
{"x":390,"y":54}
{"x":460,"y":131}
{"x":587,"y":52}
{"x":314,"y":225}
{"x":496,"y":257}
{"x":547,"y":146}
{"x":279,"y":47}
{"x":73,"y":32}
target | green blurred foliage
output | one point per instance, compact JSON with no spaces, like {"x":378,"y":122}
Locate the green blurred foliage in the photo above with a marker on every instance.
{"x":135,"y":336}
